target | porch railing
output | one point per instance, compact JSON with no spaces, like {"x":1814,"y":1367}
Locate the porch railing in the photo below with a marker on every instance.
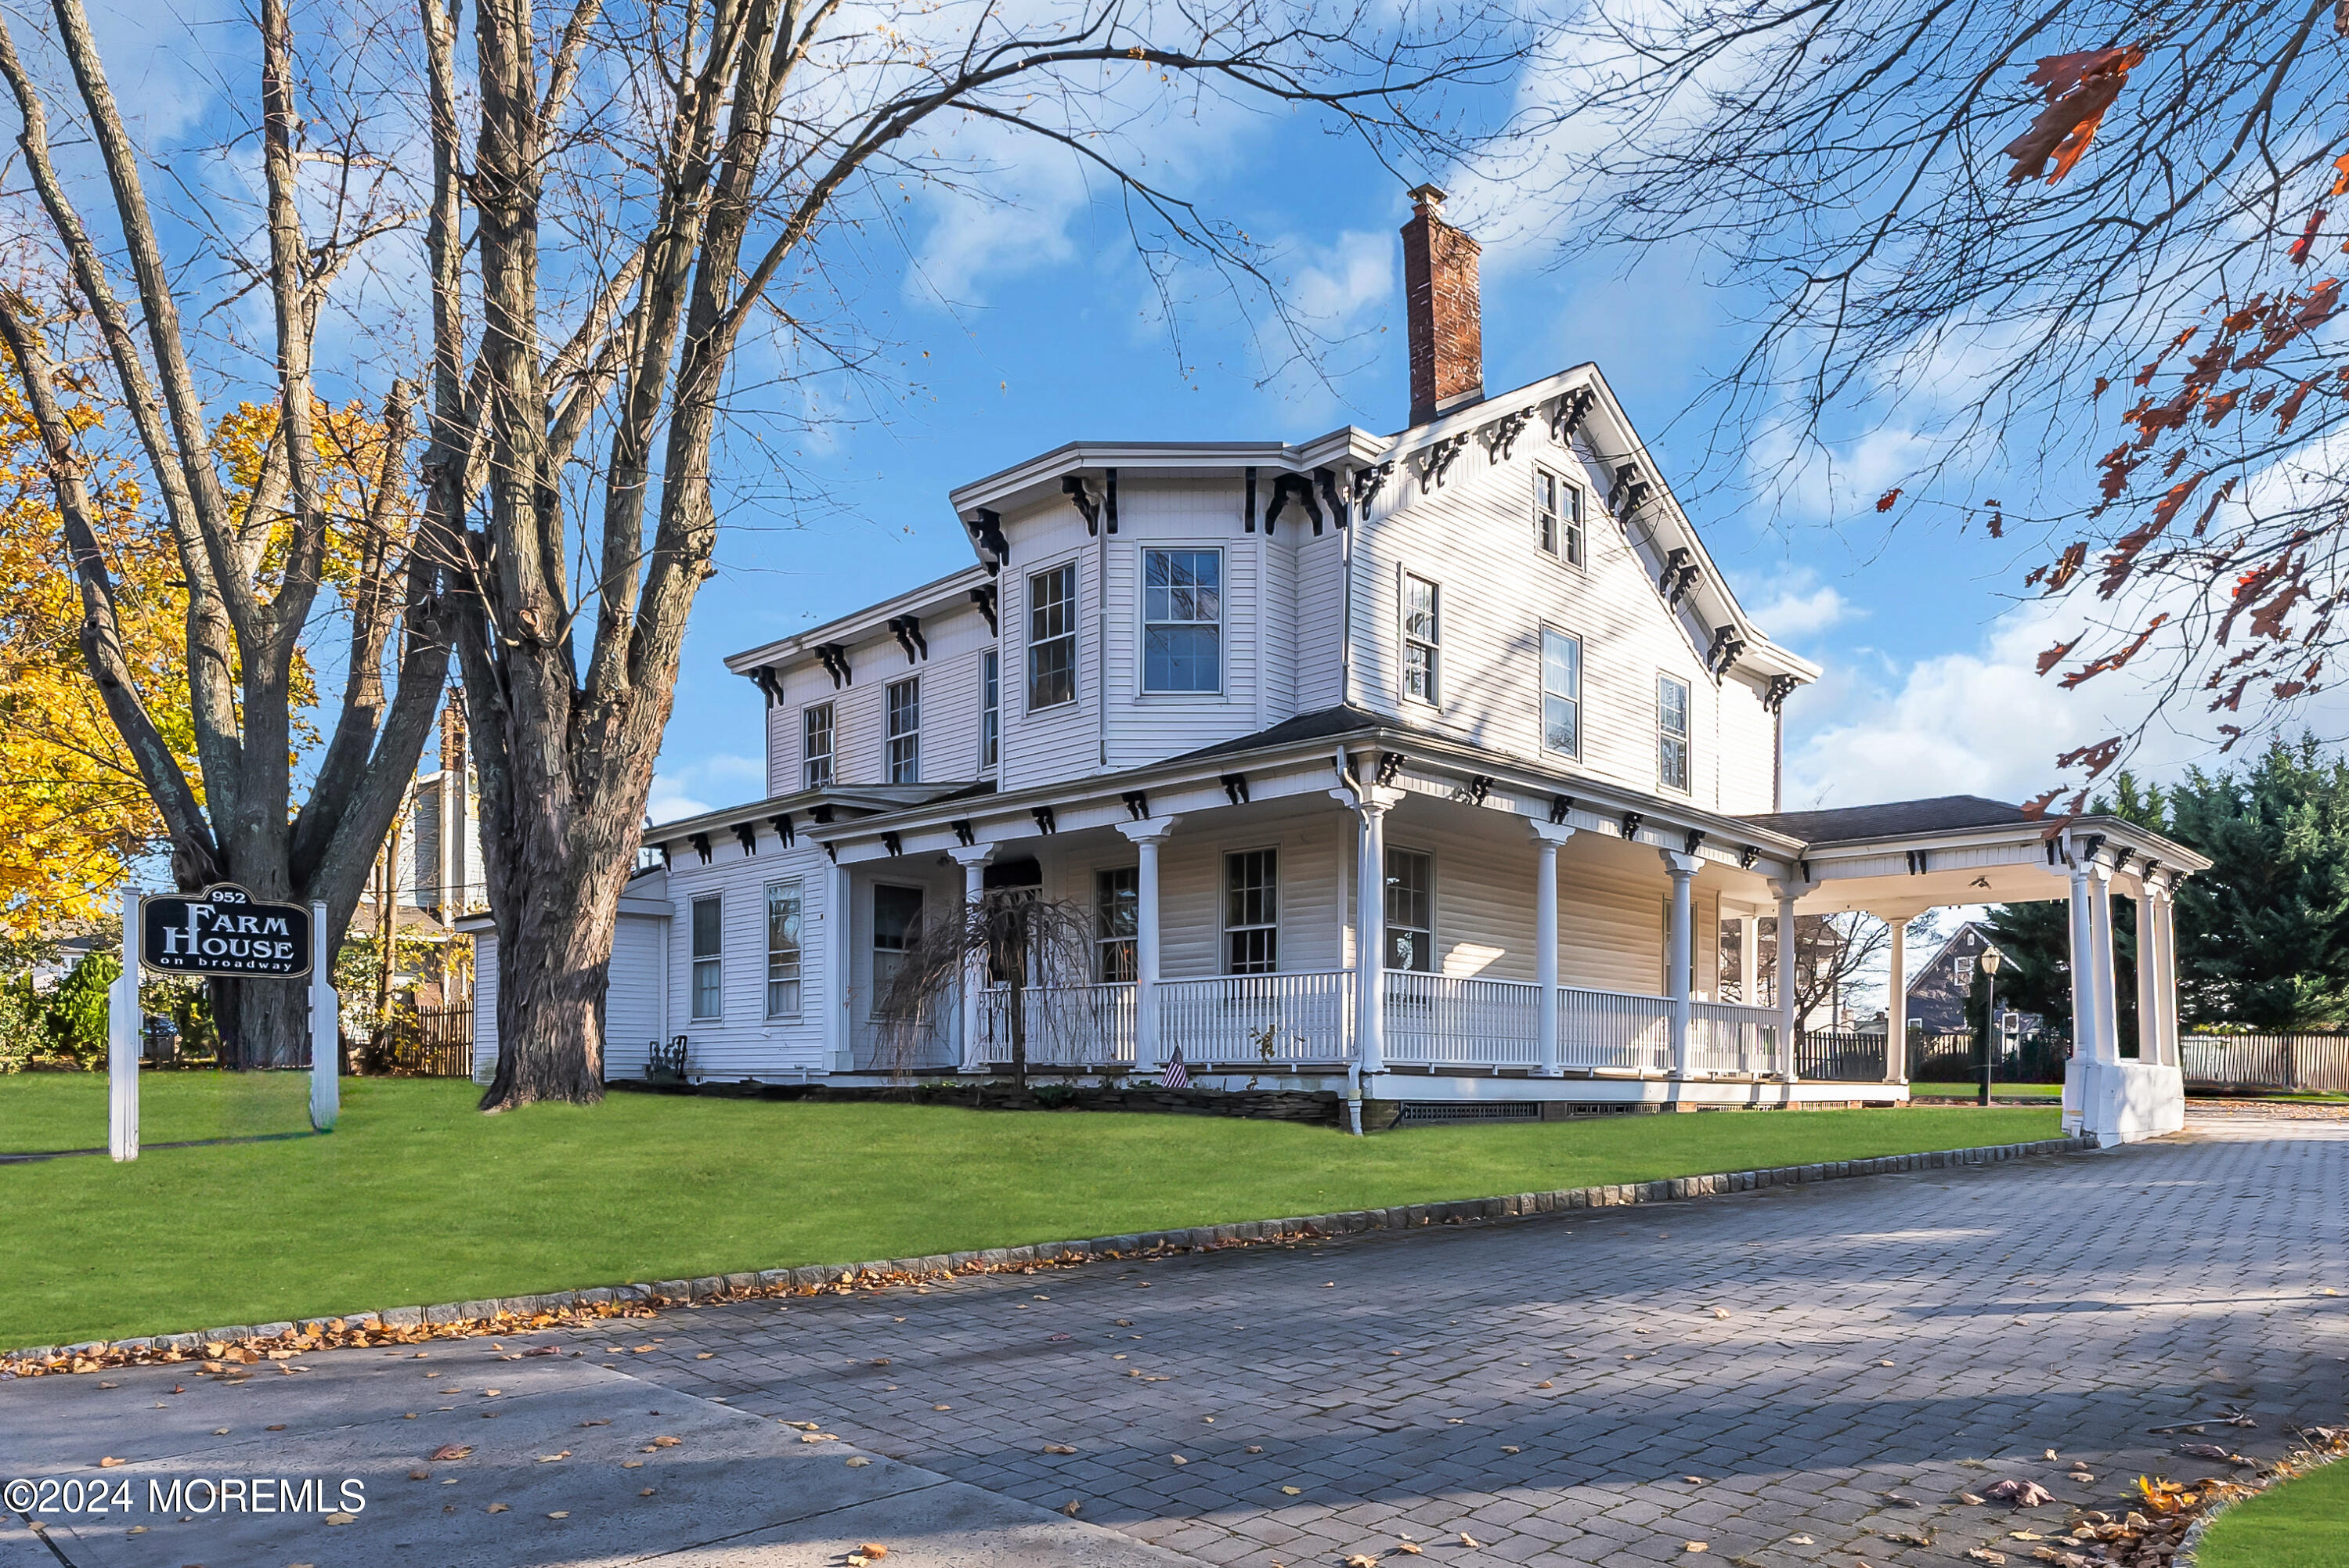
{"x":1257,"y":1019}
{"x":2307,"y":1063}
{"x":1614,"y":1032}
{"x":1066,"y":1026}
{"x":1825,"y":1057}
{"x":1447,"y":1020}
{"x":1727,"y":1039}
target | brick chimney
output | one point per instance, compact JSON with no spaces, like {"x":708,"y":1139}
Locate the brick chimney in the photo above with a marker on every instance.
{"x":1447,"y":330}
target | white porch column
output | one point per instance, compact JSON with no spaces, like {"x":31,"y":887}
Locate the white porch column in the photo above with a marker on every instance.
{"x":1146,"y":836}
{"x":2101,"y":977}
{"x":1547,"y":837}
{"x":1749,"y":960}
{"x":1789,"y":983}
{"x":973,"y":859}
{"x":2149,"y":976}
{"x":1896,"y":1001}
{"x":1677,"y":980}
{"x":1370,"y":804}
{"x":839,"y":1036}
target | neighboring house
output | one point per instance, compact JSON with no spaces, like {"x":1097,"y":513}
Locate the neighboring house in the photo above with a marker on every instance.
{"x":430,"y":870}
{"x":1484,"y":668}
{"x":1938,"y":996}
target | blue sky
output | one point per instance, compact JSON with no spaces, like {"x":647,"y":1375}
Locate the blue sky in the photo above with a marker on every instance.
{"x":1052,"y":336}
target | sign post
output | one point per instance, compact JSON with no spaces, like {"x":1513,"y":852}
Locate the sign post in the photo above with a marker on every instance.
{"x":122,"y":1030}
{"x":223,"y":931}
{"x":326,"y":1029}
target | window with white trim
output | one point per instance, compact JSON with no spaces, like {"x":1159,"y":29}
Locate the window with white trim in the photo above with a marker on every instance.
{"x":1557,"y":516}
{"x":1561,"y":689}
{"x":903,"y":706}
{"x":1252,"y":911}
{"x":990,"y":710}
{"x":1053,"y":637}
{"x":815,"y":746}
{"x":896,"y":926}
{"x":1411,"y":911}
{"x":1182,"y":620}
{"x":1673,"y":702}
{"x":1422,"y":634}
{"x":783,"y":914}
{"x":709,"y":947}
{"x":1117,"y":904}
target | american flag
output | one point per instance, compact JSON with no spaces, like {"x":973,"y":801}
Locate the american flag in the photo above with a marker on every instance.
{"x":1175,"y":1075}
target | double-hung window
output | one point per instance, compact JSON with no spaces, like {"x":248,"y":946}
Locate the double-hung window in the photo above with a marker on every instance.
{"x":815,"y":746}
{"x":904,"y":712}
{"x":1561,"y":686}
{"x":709,"y":945}
{"x":1672,"y":704}
{"x":1411,"y":911}
{"x":1557,"y":516}
{"x":783,"y":911}
{"x":896,"y":926}
{"x":1117,"y":901}
{"x":1182,"y":620}
{"x":1421,"y":638}
{"x":990,"y":710}
{"x":1252,"y":911}
{"x":1053,"y":637}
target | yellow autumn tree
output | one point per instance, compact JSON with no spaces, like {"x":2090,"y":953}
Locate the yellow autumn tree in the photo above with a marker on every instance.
{"x":74,"y":814}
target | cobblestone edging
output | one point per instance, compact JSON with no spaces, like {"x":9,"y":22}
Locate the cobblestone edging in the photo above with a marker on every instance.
{"x":712,"y":1287}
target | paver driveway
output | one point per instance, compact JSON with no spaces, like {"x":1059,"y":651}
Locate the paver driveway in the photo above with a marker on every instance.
{"x":1613,"y":1385}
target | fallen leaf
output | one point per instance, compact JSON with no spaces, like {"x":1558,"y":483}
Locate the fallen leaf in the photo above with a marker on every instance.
{"x":110,"y":1463}
{"x":1695,"y":1546}
{"x":605,"y":1422}
{"x":1984,"y":1554}
{"x":704,"y":1355}
{"x":2050,"y":1453}
{"x":1545,"y":1383}
{"x":342,"y":1519}
{"x":560,"y":1513}
{"x":1409,"y":1548}
{"x":109,"y":1385}
{"x":1178,"y":1459}
{"x":873,"y":1550}
{"x":1969,"y":1498}
{"x":220,"y":1431}
{"x":667,"y":1442}
{"x":1721,"y":1312}
{"x":859,"y":1462}
{"x":647,"y":1491}
{"x":1059,"y":1448}
{"x":2212,"y":1451}
{"x":1693,"y":1480}
{"x":942,"y":1407}
{"x":1293,"y":1491}
{"x":495,"y":1508}
{"x":419,"y":1475}
{"x":2022,"y":1493}
{"x":1510,"y":1449}
{"x":136,"y":1529}
{"x":632,"y":1464}
{"x":1802,"y":1541}
{"x":1884,"y":1364}
{"x":1070,"y":1507}
{"x":551,"y":1459}
{"x":1468,"y":1540}
{"x":1362,"y":1560}
{"x":1255,"y":1448}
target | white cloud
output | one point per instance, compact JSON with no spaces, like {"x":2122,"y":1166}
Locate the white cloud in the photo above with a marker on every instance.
{"x":1797,"y":605}
{"x":683,"y":788}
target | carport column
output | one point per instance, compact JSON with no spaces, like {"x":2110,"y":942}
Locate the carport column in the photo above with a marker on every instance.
{"x":1787,"y":983}
{"x":2149,"y":976}
{"x":1684,"y":868}
{"x":2100,"y":962}
{"x":973,"y":859}
{"x":1146,"y":836}
{"x":1896,"y":1001}
{"x":2164,"y":915}
{"x":2083,"y":946}
{"x":1749,"y":960}
{"x":1547,"y":837}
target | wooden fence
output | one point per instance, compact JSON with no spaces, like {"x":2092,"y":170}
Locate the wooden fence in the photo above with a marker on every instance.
{"x":2308,"y":1063}
{"x":429,"y":1042}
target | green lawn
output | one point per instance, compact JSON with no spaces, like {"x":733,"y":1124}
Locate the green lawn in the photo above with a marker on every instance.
{"x":2302,"y":1523}
{"x":68,"y":1111}
{"x":415,"y":1199}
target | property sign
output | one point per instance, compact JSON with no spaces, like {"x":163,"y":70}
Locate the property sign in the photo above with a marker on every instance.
{"x":223,"y":930}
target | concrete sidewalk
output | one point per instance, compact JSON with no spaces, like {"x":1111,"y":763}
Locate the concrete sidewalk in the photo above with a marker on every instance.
{"x":732,"y":1489}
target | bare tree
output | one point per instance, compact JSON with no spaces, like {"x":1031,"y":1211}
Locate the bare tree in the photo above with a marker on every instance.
{"x":260,"y":536}
{"x":1031,"y":952}
{"x":1834,"y":956}
{"x":1975,"y":223}
{"x":644,"y":186}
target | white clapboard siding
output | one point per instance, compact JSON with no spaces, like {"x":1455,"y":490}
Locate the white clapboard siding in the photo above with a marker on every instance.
{"x":1062,"y":741}
{"x":744,"y":1042}
{"x":1475,"y":537}
{"x":634,"y":1001}
{"x":485,"y":1006}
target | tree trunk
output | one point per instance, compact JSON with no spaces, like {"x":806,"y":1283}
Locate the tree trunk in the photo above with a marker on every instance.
{"x":555,"y":950}
{"x":262,"y":1023}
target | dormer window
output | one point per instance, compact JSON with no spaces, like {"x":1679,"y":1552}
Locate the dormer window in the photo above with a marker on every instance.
{"x":1182,"y":620}
{"x":1557,"y":516}
{"x":1053,"y":637}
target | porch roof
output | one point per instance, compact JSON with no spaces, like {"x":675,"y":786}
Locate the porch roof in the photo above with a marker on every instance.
{"x":1847,"y":824}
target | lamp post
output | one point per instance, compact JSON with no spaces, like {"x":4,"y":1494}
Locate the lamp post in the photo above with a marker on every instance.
{"x":1990,"y":961}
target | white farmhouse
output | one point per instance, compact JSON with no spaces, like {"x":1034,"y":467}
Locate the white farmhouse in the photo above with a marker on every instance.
{"x":1211,"y":692}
